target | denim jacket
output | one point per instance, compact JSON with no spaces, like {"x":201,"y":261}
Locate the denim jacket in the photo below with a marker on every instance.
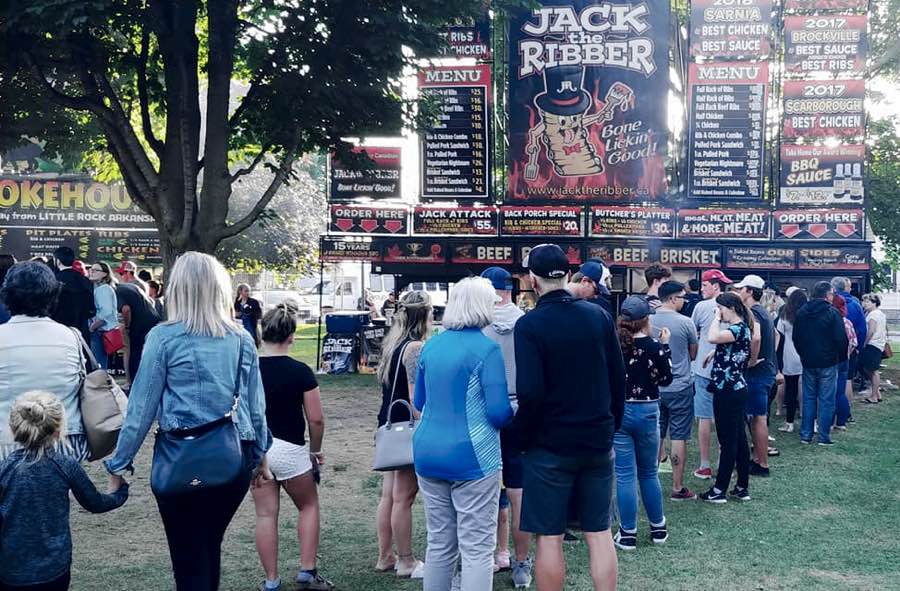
{"x":106,"y":304}
{"x":186,"y":381}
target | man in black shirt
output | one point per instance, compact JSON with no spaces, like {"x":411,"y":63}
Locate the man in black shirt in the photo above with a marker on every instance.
{"x":761,"y":375}
{"x":570,"y":382}
{"x":75,"y":305}
{"x":692,"y":297}
{"x":139,"y":316}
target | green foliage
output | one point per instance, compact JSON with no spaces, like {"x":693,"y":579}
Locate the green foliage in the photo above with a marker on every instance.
{"x":884,"y":185}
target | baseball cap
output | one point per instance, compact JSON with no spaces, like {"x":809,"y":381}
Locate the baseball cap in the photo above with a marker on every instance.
{"x":670,"y":288}
{"x":499,"y":278}
{"x":754,"y":281}
{"x":715,"y":274}
{"x":593,"y":270}
{"x":791,"y":290}
{"x":635,"y":308}
{"x":126,"y":267}
{"x":547,"y":260}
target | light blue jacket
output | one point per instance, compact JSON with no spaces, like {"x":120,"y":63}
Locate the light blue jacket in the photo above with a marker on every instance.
{"x":186,"y":381}
{"x":107,"y":306}
{"x":462,"y":393}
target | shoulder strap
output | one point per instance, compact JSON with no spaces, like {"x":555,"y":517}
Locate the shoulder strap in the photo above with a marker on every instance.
{"x":397,"y":369}
{"x":84,"y":348}
{"x":237,"y":377}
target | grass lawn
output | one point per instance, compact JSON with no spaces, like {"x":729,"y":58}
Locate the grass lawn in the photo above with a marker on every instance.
{"x":304,"y":347}
{"x":827,"y":519}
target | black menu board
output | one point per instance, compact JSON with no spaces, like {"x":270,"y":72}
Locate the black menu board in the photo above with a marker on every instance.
{"x":727,"y":127}
{"x":455,"y":151}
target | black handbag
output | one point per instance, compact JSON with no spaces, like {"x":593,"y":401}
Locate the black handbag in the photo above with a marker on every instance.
{"x":200,"y":458}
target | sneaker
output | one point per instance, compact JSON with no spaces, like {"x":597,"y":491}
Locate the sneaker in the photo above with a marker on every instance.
{"x":665,"y":466}
{"x":703,"y":473}
{"x":711,"y":496}
{"x":826,"y":443}
{"x":313,"y":582}
{"x":624,"y":540}
{"x":501,"y":561}
{"x":805,"y":442}
{"x":741,"y":494}
{"x":521,"y":573}
{"x":787,"y":428}
{"x":262,"y":587}
{"x":850,"y":419}
{"x":659,"y":534}
{"x":757,"y":470}
{"x":840,"y":427}
{"x":684,"y":494}
{"x":771,"y":439}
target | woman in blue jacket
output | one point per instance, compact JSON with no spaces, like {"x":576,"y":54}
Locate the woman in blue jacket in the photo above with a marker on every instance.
{"x":461,"y":392}
{"x":193,"y":365}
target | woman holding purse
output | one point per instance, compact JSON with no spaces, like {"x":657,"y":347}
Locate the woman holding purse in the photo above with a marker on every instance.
{"x":410,"y":328}
{"x":200,"y":379}
{"x":105,"y":303}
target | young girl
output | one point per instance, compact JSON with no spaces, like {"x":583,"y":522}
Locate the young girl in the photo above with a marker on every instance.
{"x":732,"y":355}
{"x":35,"y":542}
{"x":648,"y":365}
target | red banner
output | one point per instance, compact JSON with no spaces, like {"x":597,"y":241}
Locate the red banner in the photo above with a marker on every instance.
{"x":451,"y":221}
{"x":482,"y":254}
{"x":364,"y":219}
{"x":833,"y":259}
{"x":573,"y":252}
{"x":829,"y":45}
{"x":819,"y":224}
{"x":333,"y":250}
{"x":414,"y":251}
{"x":690,"y":257}
{"x":622,"y":254}
{"x":534,"y":220}
{"x":638,"y":222}
{"x":723,"y":223}
{"x":379,"y":179}
{"x":731,"y":31}
{"x":822,"y":109}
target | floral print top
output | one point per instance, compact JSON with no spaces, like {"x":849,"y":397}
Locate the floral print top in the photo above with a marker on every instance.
{"x":648,"y":365}
{"x":731,"y":360}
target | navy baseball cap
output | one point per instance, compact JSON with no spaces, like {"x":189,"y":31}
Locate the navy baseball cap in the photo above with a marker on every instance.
{"x":593,"y":270}
{"x":499,"y":278}
{"x":635,"y":308}
{"x":547,"y":260}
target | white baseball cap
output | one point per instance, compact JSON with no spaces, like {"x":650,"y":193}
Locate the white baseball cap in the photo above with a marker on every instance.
{"x":754,"y":281}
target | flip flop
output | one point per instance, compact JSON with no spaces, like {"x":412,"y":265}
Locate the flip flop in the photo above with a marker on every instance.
{"x":867,"y":401}
{"x":773,"y":452}
{"x":386,"y":569}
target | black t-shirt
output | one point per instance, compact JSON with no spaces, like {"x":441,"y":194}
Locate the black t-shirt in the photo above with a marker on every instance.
{"x":767,"y":368}
{"x":143,"y":312}
{"x":285,"y":380}
{"x":648,"y":365}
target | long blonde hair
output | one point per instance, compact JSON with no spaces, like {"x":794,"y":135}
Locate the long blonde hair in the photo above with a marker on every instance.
{"x":37,"y":419}
{"x":412,"y":321}
{"x":199,"y":296}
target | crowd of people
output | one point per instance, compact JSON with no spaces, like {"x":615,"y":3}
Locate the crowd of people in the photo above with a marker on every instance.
{"x":527,"y":425}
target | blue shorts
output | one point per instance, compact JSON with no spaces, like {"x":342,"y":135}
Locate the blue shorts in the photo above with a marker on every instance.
{"x":758,"y":396}
{"x":504,"y":499}
{"x":676,"y":414}
{"x":703,"y":398}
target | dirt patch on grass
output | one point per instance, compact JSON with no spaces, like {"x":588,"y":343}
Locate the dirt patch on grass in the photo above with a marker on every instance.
{"x":850,"y":580}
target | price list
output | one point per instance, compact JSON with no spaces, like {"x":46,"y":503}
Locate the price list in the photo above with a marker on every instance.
{"x":727,"y":131}
{"x":455,"y":150}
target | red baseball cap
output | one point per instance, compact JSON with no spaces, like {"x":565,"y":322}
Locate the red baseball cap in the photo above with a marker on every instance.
{"x":129,"y":267}
{"x":716,"y":274}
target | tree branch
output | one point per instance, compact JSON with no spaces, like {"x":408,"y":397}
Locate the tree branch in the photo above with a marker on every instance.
{"x":79,"y":103}
{"x":245,"y":222}
{"x":891,"y":54}
{"x":253,"y":165}
{"x":143,"y":97}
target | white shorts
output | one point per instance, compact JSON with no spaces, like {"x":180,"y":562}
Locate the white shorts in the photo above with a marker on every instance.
{"x":287,"y":460}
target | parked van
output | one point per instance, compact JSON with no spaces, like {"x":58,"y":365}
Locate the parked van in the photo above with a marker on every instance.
{"x":342,"y":288}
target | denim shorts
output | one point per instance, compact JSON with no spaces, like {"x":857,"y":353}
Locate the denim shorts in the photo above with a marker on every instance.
{"x":551,"y":480}
{"x":676,"y":414}
{"x":758,"y":396}
{"x":703,"y":398}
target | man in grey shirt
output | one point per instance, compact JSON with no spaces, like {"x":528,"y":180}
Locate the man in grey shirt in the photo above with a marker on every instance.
{"x":714,"y":282}
{"x":676,"y":401}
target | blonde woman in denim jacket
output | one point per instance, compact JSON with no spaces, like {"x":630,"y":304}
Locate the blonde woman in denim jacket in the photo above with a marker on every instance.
{"x":187,"y":380}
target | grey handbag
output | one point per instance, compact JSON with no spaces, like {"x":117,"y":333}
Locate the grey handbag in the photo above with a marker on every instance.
{"x":393,"y":442}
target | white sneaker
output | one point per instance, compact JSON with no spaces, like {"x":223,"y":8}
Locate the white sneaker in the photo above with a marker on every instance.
{"x":787,"y":428}
{"x":771,"y":439}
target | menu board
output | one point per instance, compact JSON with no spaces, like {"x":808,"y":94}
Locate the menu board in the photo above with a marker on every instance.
{"x":621,"y":254}
{"x":474,"y":253}
{"x":820,"y":5}
{"x":572,"y":250}
{"x":822,"y":109}
{"x":833,"y":259}
{"x":443,"y":221}
{"x":68,"y":202}
{"x":375,"y":178}
{"x":364,"y":219}
{"x":89,"y":244}
{"x":455,"y":151}
{"x":825,"y":45}
{"x":339,"y":249}
{"x":727,"y":129}
{"x":472,"y":41}
{"x":413,"y":251}
{"x":690,"y":257}
{"x":533,"y":220}
{"x":642,"y":222}
{"x":760,"y":257}
{"x":819,"y":224}
{"x":822,"y":175}
{"x":731,"y":30}
{"x":723,"y":223}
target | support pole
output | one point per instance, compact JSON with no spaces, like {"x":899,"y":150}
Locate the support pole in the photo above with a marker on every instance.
{"x":319,"y":328}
